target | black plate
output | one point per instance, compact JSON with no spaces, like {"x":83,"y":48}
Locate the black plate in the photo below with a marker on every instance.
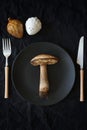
{"x":61,"y":76}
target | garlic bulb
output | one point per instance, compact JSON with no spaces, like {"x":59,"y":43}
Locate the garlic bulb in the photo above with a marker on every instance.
{"x":15,"y":28}
{"x":33,"y":25}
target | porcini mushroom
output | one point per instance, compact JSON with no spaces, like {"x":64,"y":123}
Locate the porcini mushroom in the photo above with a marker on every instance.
{"x":43,"y":60}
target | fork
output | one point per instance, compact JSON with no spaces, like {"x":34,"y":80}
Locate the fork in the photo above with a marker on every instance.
{"x":6,"y":45}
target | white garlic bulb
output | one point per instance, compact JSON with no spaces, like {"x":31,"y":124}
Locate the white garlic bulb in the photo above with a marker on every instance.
{"x":33,"y":25}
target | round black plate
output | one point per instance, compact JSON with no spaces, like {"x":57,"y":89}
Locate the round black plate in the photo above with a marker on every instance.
{"x":61,"y":76}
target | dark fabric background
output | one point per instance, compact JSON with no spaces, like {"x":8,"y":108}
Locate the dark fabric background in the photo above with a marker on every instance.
{"x":64,"y":22}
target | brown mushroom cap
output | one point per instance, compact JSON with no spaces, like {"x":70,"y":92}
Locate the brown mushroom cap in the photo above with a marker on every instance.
{"x":44,"y":59}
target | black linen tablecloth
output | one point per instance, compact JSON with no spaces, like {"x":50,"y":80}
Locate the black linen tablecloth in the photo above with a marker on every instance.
{"x":63,"y":23}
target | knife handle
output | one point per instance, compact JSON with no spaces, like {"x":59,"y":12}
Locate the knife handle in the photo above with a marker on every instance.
{"x":81,"y":85}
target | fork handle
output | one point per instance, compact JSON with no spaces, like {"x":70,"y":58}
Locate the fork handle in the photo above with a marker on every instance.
{"x":81,"y":85}
{"x":6,"y":94}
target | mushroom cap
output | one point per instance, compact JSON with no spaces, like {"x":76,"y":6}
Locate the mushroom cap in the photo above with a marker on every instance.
{"x":44,"y":59}
{"x":33,"y":25}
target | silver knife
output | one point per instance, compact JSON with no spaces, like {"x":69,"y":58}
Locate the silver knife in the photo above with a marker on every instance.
{"x":80,"y":61}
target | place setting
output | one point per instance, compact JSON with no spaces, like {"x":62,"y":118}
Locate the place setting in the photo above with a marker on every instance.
{"x":42,"y":73}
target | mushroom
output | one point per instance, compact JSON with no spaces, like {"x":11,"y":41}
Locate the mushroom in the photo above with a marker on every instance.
{"x":43,"y":60}
{"x":33,"y":25}
{"x":15,"y":28}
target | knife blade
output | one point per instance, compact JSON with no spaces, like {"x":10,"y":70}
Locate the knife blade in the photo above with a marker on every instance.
{"x":80,"y":61}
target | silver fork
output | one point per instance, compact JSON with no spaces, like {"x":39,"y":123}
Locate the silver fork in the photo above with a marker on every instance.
{"x":6,"y":44}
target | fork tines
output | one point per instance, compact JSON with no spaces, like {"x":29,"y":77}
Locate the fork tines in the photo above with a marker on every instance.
{"x":6,"y":43}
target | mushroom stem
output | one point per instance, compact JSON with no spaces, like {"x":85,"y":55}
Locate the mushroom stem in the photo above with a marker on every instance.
{"x":44,"y":84}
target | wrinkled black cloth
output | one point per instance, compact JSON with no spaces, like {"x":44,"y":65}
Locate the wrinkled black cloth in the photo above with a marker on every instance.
{"x":63,"y":23}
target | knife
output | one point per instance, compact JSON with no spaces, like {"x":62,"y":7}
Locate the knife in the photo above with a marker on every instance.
{"x":80,"y":61}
